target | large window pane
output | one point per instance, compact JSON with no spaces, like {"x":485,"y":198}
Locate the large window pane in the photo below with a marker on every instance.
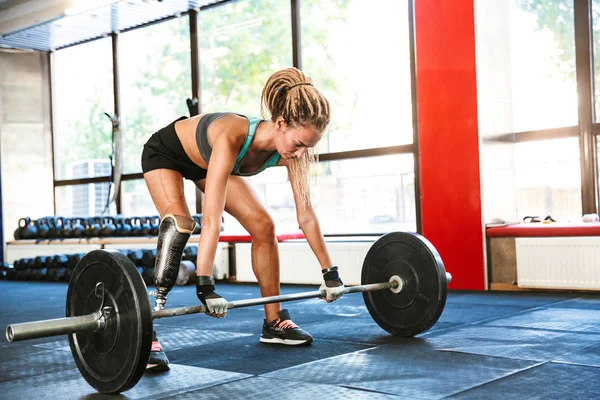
{"x":82,"y":131}
{"x":596,"y":55}
{"x":350,"y":196}
{"x":525,"y":65}
{"x":155,"y":82}
{"x":136,"y":200}
{"x":241,"y":45}
{"x":83,"y":200}
{"x":548,"y":177}
{"x":358,"y":54}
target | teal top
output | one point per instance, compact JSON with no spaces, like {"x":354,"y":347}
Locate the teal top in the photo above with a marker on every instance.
{"x":271,"y":161}
{"x":206,"y":149}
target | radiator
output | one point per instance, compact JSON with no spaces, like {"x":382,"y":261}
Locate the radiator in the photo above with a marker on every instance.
{"x":300,"y":266}
{"x":558,"y":262}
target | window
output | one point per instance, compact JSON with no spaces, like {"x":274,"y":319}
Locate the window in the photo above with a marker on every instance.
{"x":548,"y":178}
{"x":136,"y":200}
{"x":82,"y":131}
{"x":596,"y":56}
{"x":241,"y":45}
{"x":526,"y":82}
{"x":526,"y":65}
{"x":374,"y":194}
{"x":155,"y":67}
{"x":358,"y":54}
{"x":366,"y":195}
{"x":86,"y":200}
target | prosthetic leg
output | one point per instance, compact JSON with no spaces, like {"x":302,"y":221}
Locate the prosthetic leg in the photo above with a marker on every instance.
{"x":173,"y":234}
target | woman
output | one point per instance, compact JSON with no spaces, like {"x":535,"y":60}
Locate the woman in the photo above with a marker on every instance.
{"x":216,"y":151}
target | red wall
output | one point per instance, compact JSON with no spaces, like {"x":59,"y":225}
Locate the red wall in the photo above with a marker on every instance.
{"x":448,"y":137}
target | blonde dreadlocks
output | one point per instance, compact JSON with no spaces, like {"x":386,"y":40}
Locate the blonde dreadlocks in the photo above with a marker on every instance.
{"x":289,"y":93}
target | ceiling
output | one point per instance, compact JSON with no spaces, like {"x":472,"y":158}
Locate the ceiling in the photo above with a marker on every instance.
{"x":6,"y":4}
{"x":53,"y":24}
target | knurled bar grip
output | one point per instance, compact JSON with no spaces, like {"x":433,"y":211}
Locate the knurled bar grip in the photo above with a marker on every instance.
{"x":172,"y":312}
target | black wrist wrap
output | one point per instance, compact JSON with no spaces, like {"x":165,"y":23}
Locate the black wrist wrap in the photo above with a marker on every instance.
{"x":331,"y":274}
{"x":205,"y":288}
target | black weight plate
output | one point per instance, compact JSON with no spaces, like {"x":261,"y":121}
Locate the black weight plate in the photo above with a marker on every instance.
{"x":421,"y":302}
{"x":114,"y":360}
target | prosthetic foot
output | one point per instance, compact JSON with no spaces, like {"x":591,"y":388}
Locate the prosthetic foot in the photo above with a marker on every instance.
{"x":173,"y":234}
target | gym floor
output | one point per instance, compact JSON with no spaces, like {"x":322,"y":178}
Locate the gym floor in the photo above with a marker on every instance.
{"x":486,"y":345}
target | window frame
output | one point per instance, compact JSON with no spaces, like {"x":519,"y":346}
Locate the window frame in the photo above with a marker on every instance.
{"x":195,"y":90}
{"x":587,"y":129}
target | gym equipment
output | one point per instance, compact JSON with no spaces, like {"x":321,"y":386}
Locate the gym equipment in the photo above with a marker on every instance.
{"x":109,"y":317}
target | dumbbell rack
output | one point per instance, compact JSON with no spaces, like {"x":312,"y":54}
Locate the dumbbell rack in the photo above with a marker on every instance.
{"x":31,"y":249}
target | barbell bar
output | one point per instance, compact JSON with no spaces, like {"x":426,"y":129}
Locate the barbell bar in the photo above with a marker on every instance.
{"x":109,"y":319}
{"x":395,"y":283}
{"x":95,"y":322}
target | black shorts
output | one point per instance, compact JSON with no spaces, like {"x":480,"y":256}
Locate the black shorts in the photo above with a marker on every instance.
{"x":164,"y":150}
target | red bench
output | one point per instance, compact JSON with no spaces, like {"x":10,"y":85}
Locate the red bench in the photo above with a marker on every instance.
{"x":544,"y":230}
{"x":247,"y":238}
{"x":233,"y":239}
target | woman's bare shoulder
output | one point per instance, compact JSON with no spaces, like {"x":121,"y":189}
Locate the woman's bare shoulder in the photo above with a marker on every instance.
{"x":233,"y":127}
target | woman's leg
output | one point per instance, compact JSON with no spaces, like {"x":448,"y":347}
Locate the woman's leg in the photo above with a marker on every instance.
{"x":242,"y":203}
{"x":166,"y":189}
{"x":176,"y":227}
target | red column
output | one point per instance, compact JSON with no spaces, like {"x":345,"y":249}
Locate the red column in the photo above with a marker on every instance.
{"x":448,"y":137}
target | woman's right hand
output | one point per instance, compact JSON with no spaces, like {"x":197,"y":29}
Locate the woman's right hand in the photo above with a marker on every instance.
{"x":216,"y":307}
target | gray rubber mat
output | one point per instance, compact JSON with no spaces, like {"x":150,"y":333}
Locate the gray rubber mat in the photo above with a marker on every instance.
{"x":240,"y":321}
{"x":34,"y":312}
{"x":411,"y":373}
{"x":543,"y":382}
{"x":560,"y":319}
{"x":70,"y":385}
{"x":524,"y":344}
{"x":259,"y":388}
{"x":585,"y":303}
{"x":518,"y":299}
{"x":248,"y":355}
{"x":20,"y":349}
{"x":361,"y":330}
{"x":589,"y":356}
{"x":33,"y":361}
{"x":486,"y":345}
{"x":60,"y":344}
{"x":173,"y":338}
{"x":463,"y":313}
{"x":351,"y":305}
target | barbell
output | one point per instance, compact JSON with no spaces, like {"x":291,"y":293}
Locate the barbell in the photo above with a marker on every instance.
{"x":109,"y":318}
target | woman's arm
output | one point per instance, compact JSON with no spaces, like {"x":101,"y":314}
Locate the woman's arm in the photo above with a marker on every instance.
{"x":309,"y":223}
{"x":222,"y":160}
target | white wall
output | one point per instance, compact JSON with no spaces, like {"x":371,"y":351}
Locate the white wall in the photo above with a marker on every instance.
{"x":25,"y":138}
